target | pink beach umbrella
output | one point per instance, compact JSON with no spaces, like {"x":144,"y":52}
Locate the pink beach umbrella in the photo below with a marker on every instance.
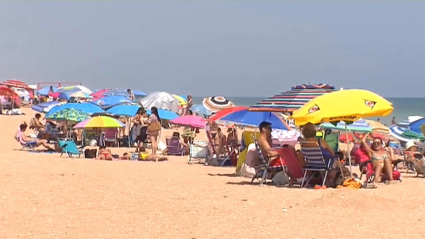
{"x":190,"y":120}
{"x":99,"y":94}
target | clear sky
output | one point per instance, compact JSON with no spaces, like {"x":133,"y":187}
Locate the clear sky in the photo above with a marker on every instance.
{"x":233,"y":48}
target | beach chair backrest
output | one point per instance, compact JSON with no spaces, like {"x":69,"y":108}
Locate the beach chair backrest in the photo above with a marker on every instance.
{"x":111,"y":133}
{"x":173,"y":145}
{"x":291,"y":161}
{"x":313,"y":155}
{"x":197,"y":150}
{"x":69,"y":146}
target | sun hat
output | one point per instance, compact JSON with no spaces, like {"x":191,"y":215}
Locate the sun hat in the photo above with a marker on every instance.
{"x":410,"y":144}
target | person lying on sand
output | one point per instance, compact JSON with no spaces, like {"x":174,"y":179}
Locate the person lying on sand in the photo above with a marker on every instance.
{"x":105,"y":154}
{"x":148,"y":157}
{"x":23,"y":139}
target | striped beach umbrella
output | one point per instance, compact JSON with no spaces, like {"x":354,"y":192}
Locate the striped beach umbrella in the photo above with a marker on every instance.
{"x":99,"y":122}
{"x":294,"y":99}
{"x":402,"y":132}
{"x":357,"y":126}
{"x":46,"y":106}
{"x":217,"y":103}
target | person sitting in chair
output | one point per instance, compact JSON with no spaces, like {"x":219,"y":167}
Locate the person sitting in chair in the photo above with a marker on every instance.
{"x":36,"y":124}
{"x":23,"y":139}
{"x":265,"y":142}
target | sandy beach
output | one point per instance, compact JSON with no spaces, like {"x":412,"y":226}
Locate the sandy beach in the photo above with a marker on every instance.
{"x":46,"y":196}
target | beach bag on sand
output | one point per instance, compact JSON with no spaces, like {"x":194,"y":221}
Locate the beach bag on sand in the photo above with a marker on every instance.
{"x":396,"y":176}
{"x":90,"y":153}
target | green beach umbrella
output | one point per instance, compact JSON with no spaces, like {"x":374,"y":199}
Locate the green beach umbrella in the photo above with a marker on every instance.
{"x":412,"y":135}
{"x":69,"y":114}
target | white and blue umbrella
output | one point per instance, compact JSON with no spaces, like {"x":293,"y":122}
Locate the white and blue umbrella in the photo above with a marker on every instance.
{"x":112,"y":100}
{"x":136,"y":93}
{"x":46,"y":90}
{"x":46,"y":106}
{"x":403,"y":131}
{"x":200,"y":109}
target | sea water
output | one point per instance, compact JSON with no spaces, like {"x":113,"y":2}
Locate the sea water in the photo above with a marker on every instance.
{"x":403,"y":107}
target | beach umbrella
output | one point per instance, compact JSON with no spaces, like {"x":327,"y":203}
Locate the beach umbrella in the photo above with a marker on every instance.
{"x":343,"y":105}
{"x":253,"y":119}
{"x":124,"y":110}
{"x":69,"y":114}
{"x":46,"y":106}
{"x":81,"y":94}
{"x":181,"y":100}
{"x":74,"y":88}
{"x":200,"y":109}
{"x":404,"y":134}
{"x":4,"y":90}
{"x":225,"y":112}
{"x":217,"y":103}
{"x":377,"y":126}
{"x":190,"y":120}
{"x":161,"y":100}
{"x":59,"y":95}
{"x":100,"y":122}
{"x":15,"y":83}
{"x":85,"y":107}
{"x":357,"y":126}
{"x":136,"y":93}
{"x":112,"y":100}
{"x":165,"y":114}
{"x":294,"y":99}
{"x":415,"y":125}
{"x":46,"y":90}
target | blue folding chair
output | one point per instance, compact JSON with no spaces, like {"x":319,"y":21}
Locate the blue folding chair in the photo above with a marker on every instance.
{"x":70,"y":148}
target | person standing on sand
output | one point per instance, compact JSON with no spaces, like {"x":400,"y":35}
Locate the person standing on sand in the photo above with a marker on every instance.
{"x":130,"y":95}
{"x":153,"y":129}
{"x":189,"y":105}
{"x":393,"y":121}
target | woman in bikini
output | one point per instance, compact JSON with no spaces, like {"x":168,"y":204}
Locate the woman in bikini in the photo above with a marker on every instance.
{"x":105,"y":154}
{"x":378,"y":156}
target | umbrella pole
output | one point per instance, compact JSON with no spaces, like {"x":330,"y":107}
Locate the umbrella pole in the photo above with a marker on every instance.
{"x":348,"y":150}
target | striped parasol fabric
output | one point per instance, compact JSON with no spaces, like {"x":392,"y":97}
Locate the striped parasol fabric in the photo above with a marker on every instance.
{"x":402,"y":132}
{"x":357,"y":126}
{"x":293,"y":99}
{"x":217,"y":103}
{"x":15,"y":83}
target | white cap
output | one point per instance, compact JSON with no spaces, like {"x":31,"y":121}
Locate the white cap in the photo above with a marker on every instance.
{"x":410,"y":144}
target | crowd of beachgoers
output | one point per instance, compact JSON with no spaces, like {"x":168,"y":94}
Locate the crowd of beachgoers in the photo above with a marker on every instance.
{"x":263,"y":145}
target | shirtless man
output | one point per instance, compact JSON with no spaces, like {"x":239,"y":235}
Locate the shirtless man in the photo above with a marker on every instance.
{"x":265,"y":142}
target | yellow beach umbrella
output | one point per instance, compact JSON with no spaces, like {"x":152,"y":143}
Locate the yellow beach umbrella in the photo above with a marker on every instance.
{"x":180,"y":99}
{"x":343,"y":105}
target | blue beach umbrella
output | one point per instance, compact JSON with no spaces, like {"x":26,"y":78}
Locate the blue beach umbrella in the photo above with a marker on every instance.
{"x":415,"y":126}
{"x":88,"y":108}
{"x":200,"y":109}
{"x":249,"y":118}
{"x":165,"y":114}
{"x":124,"y":93}
{"x":124,"y":110}
{"x":46,"y":90}
{"x":112,"y":100}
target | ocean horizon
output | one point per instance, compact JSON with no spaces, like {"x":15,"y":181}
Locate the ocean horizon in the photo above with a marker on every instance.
{"x":403,"y":106}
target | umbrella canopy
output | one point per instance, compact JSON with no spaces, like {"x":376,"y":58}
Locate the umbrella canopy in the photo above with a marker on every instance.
{"x":100,"y":122}
{"x":249,"y":118}
{"x":136,"y":93}
{"x":46,"y":90}
{"x":415,"y":126}
{"x":75,"y":88}
{"x":343,"y":105}
{"x":59,"y":95}
{"x":404,"y":134}
{"x":46,"y":106}
{"x":112,"y":100}
{"x":225,"y":112}
{"x":124,"y":110}
{"x":357,"y":126}
{"x":217,"y":103}
{"x":81,"y":94}
{"x":294,"y":99}
{"x":15,"y":83}
{"x":88,"y":108}
{"x":190,"y":120}
{"x":200,"y":109}
{"x":161,"y":100}
{"x":4,"y":90}
{"x":69,"y":114}
{"x":377,"y":126}
{"x":165,"y":114}
{"x":181,"y":100}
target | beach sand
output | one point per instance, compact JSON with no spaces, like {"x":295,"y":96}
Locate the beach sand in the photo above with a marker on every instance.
{"x":45,"y":196}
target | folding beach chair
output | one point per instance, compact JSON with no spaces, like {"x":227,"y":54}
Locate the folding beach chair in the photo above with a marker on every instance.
{"x":111,"y":135}
{"x":293,"y":167}
{"x":70,"y":148}
{"x":29,"y":145}
{"x":315,"y":162}
{"x":174,"y":146}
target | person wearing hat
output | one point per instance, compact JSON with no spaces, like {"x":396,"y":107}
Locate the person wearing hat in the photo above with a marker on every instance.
{"x":416,"y":159}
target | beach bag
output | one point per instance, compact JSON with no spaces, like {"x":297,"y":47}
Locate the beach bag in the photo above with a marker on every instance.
{"x":280,"y":179}
{"x":396,"y":176}
{"x":90,"y":153}
{"x":154,"y":127}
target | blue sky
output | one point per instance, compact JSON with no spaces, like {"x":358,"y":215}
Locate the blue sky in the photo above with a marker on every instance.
{"x":233,"y":48}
